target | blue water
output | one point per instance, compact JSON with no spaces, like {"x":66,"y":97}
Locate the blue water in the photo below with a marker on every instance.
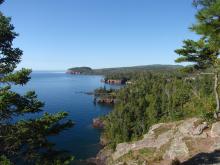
{"x":63,"y":92}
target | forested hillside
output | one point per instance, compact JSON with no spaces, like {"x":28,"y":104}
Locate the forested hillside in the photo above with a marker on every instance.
{"x":158,"y":97}
{"x":123,"y":70}
{"x":80,"y":70}
{"x":155,"y":67}
{"x":163,"y":96}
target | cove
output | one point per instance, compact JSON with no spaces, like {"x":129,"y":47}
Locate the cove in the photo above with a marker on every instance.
{"x":63,"y":92}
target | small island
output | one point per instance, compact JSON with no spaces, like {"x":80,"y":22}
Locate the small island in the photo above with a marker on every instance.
{"x":122,"y":75}
{"x":105,"y":96}
{"x":80,"y":70}
{"x":141,"y":115}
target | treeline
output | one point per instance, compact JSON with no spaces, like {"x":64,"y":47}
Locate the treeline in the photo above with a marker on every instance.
{"x":105,"y":96}
{"x":155,"y":67}
{"x":158,"y":97}
{"x":132,"y":75}
{"x":82,"y":70}
{"x":125,"y":71}
{"x":25,"y":140}
{"x":103,"y":91}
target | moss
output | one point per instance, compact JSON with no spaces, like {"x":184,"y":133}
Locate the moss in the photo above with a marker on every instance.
{"x":163,"y":149}
{"x":162,"y":129}
{"x":197,"y":123}
{"x":126,"y":157}
{"x":146,"y":151}
{"x":140,"y":156}
{"x":190,"y":143}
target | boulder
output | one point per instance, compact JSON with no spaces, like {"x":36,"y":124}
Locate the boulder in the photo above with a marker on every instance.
{"x":166,"y":142}
{"x":103,"y":156}
{"x":98,"y":123}
{"x":187,"y":126}
{"x":149,"y":141}
{"x":177,"y":149}
{"x":215,"y":131}
{"x":200,"y":128}
{"x":164,"y":138}
{"x":193,"y":128}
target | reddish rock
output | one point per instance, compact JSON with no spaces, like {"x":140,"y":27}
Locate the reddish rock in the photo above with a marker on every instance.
{"x":111,"y":81}
{"x":98,"y":123}
{"x":106,"y":101}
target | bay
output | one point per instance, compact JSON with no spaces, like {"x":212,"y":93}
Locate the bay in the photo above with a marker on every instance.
{"x":63,"y":92}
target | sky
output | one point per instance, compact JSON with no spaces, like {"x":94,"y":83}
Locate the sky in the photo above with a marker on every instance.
{"x":56,"y":35}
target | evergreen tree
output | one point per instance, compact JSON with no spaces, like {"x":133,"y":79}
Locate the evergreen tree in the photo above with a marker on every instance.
{"x":208,"y":20}
{"x":23,"y":140}
{"x":204,"y":52}
{"x":155,"y":98}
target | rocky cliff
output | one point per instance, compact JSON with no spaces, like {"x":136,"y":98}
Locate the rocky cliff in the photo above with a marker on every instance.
{"x":190,"y":141}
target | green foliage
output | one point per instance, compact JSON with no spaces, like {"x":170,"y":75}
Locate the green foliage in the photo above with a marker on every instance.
{"x":33,"y":134}
{"x":103,"y":93}
{"x":82,"y":70}
{"x":204,"y":53}
{"x":201,"y":53}
{"x":24,"y":140}
{"x":4,"y":160}
{"x":203,"y":3}
{"x":17,"y":78}
{"x":128,"y":73}
{"x":157,"y":98}
{"x":138,"y":69}
{"x":123,"y":72}
{"x":208,"y":20}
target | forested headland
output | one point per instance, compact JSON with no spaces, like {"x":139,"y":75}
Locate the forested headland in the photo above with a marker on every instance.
{"x":165,"y":95}
{"x":152,"y":94}
{"x":159,"y":97}
{"x":106,"y":71}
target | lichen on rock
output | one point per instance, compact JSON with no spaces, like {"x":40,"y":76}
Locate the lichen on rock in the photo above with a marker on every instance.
{"x":179,"y":140}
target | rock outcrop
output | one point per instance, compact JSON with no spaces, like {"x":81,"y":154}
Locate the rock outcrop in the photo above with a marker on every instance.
{"x":112,"y":81}
{"x":166,"y":142}
{"x":215,"y":131}
{"x":98,"y":123}
{"x":106,"y":101}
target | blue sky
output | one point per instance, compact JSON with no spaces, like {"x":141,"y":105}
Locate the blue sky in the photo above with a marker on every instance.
{"x":56,"y":35}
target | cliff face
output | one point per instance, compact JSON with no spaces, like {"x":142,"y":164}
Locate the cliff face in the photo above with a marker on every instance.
{"x":179,"y":142}
{"x":112,"y":81}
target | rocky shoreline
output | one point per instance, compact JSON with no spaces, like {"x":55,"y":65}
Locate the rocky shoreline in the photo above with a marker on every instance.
{"x":98,"y":123}
{"x":180,"y":142}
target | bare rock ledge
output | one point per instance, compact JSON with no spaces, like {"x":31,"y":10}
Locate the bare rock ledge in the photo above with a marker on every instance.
{"x":166,"y":142}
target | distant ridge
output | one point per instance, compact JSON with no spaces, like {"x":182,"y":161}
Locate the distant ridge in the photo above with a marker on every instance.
{"x":154,"y":67}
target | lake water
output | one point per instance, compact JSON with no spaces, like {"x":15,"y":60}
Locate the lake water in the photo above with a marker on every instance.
{"x":63,"y":92}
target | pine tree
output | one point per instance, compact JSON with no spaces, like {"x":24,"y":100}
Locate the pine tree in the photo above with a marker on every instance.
{"x":23,"y":140}
{"x":208,"y":20}
{"x":204,"y":52}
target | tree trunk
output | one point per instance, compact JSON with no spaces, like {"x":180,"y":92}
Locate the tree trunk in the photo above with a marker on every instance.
{"x":216,"y":95}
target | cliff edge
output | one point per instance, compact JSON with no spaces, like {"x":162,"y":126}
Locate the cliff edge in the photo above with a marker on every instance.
{"x":189,"y":141}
